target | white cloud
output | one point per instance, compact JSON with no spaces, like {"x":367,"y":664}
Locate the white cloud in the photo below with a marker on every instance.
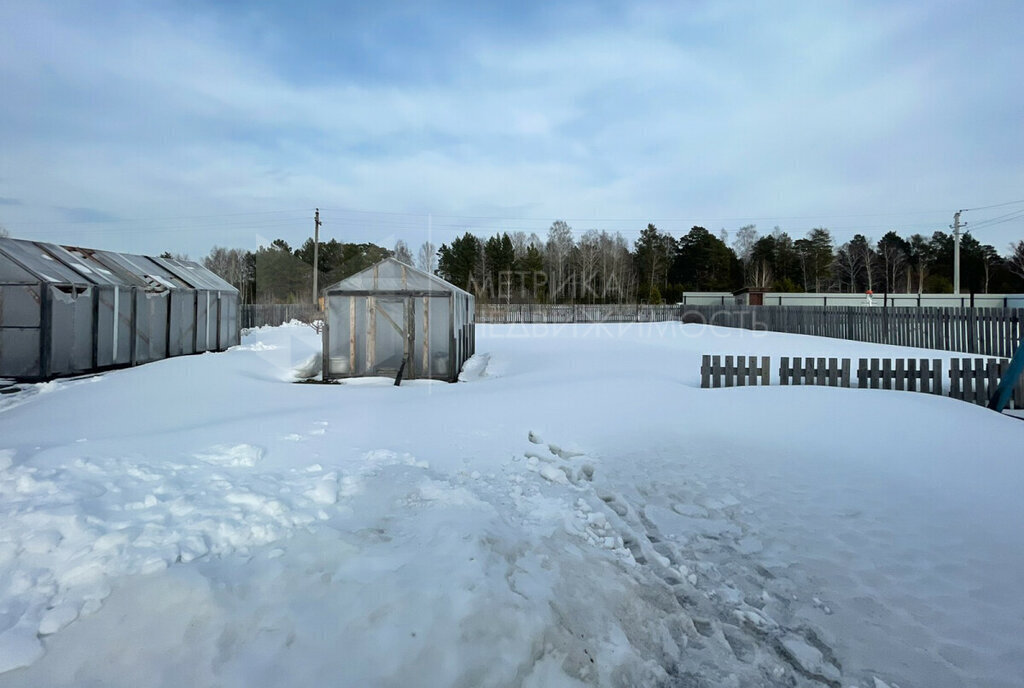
{"x":699,"y":113}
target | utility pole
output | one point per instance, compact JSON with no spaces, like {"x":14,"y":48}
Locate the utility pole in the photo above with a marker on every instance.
{"x":956,"y":253}
{"x":316,"y":257}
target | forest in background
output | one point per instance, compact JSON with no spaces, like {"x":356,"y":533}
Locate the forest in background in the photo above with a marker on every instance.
{"x":603,"y":267}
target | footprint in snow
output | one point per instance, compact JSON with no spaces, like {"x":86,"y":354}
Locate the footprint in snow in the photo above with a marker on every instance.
{"x":557,"y":465}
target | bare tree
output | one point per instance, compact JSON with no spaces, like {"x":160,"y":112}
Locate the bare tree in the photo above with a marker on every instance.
{"x":1015,"y":262}
{"x":426,"y":257}
{"x":588,"y":260}
{"x":743,"y":244}
{"x":559,"y":250}
{"x":519,"y":243}
{"x":402,"y":252}
{"x":759,"y":274}
{"x":892,"y":251}
{"x":234,"y":266}
{"x":615,"y":273}
{"x":850,"y":266}
{"x":989,"y":261}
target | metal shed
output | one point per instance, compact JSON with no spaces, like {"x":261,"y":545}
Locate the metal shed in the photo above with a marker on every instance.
{"x":66,"y":310}
{"x":390,"y":313}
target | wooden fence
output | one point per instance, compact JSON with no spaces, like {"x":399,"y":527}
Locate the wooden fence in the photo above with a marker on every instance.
{"x":744,"y":370}
{"x":513,"y":313}
{"x":978,"y":331}
{"x":970,"y":379}
{"x":832,"y":372}
{"x":985,"y":331}
{"x":982,"y":331}
{"x":904,"y":374}
{"x":260,"y":314}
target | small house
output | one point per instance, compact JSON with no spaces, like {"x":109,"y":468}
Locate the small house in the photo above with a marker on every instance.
{"x":392,"y":314}
{"x":750,"y":296}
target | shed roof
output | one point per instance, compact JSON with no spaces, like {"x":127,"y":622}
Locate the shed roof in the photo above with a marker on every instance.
{"x":84,"y":267}
{"x":391,"y":275}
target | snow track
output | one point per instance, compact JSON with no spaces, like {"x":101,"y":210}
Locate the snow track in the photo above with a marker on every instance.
{"x":730,"y":620}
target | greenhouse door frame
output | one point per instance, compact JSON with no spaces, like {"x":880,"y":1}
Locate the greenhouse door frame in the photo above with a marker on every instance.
{"x":407,"y":297}
{"x":406,"y":329}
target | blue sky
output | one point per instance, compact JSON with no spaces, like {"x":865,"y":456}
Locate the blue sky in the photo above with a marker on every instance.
{"x":151,"y":126}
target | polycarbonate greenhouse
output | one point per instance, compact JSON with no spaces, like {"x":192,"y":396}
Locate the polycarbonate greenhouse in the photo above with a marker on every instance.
{"x":392,"y":313}
{"x":66,"y":310}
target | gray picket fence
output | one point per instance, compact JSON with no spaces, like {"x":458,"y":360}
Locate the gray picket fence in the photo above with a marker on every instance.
{"x":260,"y":314}
{"x":970,"y":379}
{"x":904,"y":374}
{"x":832,"y":372}
{"x":516,"y":313}
{"x":981,"y":331}
{"x":734,"y":371}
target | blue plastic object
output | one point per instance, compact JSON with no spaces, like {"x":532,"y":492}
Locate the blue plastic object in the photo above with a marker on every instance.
{"x":1005,"y":389}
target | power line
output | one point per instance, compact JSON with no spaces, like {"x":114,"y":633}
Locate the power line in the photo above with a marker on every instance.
{"x":645,"y":220}
{"x":521,"y":219}
{"x":997,"y":205}
{"x":1009,"y":217}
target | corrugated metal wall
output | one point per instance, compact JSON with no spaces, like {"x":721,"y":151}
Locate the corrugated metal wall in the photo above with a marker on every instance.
{"x":68,"y":310}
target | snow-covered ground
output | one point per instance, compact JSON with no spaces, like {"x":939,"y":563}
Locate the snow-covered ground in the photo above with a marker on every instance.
{"x":576,"y":512}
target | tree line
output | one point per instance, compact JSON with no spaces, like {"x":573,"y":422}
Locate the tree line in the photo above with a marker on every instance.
{"x":599,"y":267}
{"x":602,"y":267}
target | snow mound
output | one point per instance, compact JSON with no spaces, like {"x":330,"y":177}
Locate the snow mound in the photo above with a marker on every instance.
{"x":309,"y":368}
{"x":70,"y":531}
{"x":474,"y":368}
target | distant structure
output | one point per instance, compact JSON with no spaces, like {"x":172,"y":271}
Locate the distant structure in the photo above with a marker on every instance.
{"x":66,"y":310}
{"x":390,"y":314}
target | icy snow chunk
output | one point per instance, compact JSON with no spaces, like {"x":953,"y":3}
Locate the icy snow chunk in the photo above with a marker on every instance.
{"x":808,"y":658}
{"x":753,"y":618}
{"x":443,"y":493}
{"x":325,"y":491}
{"x":555,"y":475}
{"x":475,"y":368}
{"x":46,"y":387}
{"x":386,"y":457}
{"x":309,"y":368}
{"x":57,"y":618}
{"x":350,"y":486}
{"x":239,"y":455}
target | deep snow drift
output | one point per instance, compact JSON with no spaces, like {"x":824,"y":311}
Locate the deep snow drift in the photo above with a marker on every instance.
{"x":575,"y":512}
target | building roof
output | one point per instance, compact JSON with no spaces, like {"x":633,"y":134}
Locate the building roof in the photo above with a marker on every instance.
{"x":391,"y":275}
{"x":22,"y":260}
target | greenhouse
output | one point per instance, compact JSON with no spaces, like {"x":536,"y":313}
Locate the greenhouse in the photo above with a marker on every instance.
{"x":66,"y":310}
{"x":392,"y":316}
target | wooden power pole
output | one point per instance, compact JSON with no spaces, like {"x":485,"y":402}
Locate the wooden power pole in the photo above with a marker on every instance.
{"x":956,"y":252}
{"x":316,"y":259}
